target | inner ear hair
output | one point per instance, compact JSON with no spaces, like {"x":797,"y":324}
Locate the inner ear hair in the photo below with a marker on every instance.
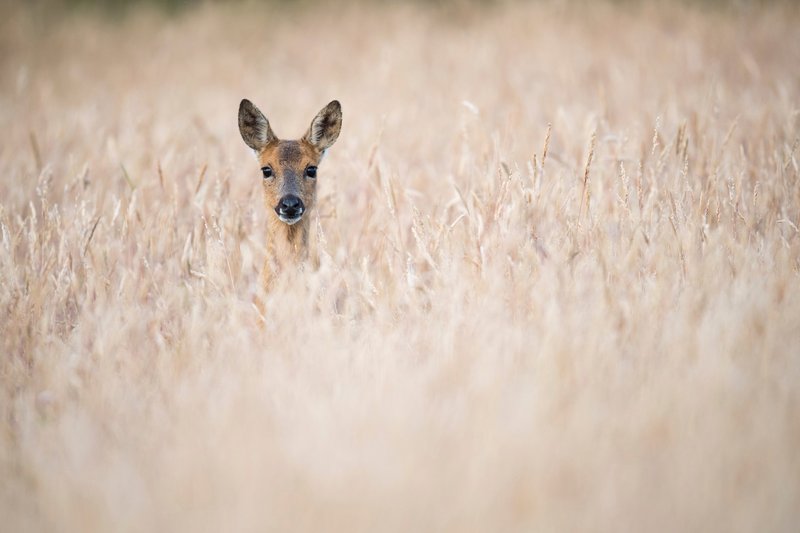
{"x":325,"y":127}
{"x":254,"y":126}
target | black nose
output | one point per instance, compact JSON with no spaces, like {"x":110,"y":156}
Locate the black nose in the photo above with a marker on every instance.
{"x":290,"y":206}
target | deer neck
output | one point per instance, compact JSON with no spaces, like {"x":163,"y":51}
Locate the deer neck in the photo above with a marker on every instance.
{"x":287,"y":245}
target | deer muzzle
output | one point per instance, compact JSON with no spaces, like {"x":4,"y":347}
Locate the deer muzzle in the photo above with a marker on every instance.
{"x":290,"y":209}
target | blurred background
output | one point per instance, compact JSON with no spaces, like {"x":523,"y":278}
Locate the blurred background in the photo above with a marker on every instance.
{"x":558,"y":285}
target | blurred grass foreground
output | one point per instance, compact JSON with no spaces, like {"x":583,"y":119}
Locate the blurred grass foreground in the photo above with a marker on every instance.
{"x":558,"y":283}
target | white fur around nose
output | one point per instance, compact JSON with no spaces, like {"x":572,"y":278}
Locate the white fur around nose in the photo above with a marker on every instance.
{"x":291,"y":221}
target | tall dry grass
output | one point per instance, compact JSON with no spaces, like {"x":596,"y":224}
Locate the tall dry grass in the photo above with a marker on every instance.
{"x":558,"y":286}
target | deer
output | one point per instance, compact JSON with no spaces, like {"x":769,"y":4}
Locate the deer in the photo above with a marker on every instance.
{"x":289,"y":179}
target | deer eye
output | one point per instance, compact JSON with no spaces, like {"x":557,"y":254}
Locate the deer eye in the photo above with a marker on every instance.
{"x":267,"y":171}
{"x":311,"y":172}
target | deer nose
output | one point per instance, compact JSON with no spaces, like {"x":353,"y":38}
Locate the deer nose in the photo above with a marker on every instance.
{"x":290,"y":206}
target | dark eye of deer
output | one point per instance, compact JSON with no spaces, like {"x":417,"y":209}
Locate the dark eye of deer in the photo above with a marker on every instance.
{"x":267,"y":171}
{"x":311,"y":172}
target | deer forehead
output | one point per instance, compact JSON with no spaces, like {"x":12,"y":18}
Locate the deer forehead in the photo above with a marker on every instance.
{"x":289,"y":154}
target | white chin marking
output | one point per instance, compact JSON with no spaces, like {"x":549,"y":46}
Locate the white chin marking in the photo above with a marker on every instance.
{"x":290,"y":221}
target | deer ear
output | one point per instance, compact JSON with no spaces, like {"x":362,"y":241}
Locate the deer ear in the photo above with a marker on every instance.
{"x":325,"y":127}
{"x":254,"y":126}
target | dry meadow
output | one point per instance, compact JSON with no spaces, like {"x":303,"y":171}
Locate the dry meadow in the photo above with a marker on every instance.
{"x":559,"y":279}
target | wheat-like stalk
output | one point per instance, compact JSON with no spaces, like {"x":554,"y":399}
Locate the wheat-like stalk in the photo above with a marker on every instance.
{"x":598,"y":336}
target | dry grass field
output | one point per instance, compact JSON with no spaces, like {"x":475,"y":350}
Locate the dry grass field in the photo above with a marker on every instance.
{"x":559,"y":281}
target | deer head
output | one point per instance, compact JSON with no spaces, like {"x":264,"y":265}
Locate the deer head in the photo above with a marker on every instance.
{"x":289,"y":168}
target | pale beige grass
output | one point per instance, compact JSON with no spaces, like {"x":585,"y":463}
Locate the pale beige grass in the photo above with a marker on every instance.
{"x":495,"y":340}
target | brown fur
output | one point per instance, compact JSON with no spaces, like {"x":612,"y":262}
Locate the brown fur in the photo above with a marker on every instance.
{"x":287,"y":245}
